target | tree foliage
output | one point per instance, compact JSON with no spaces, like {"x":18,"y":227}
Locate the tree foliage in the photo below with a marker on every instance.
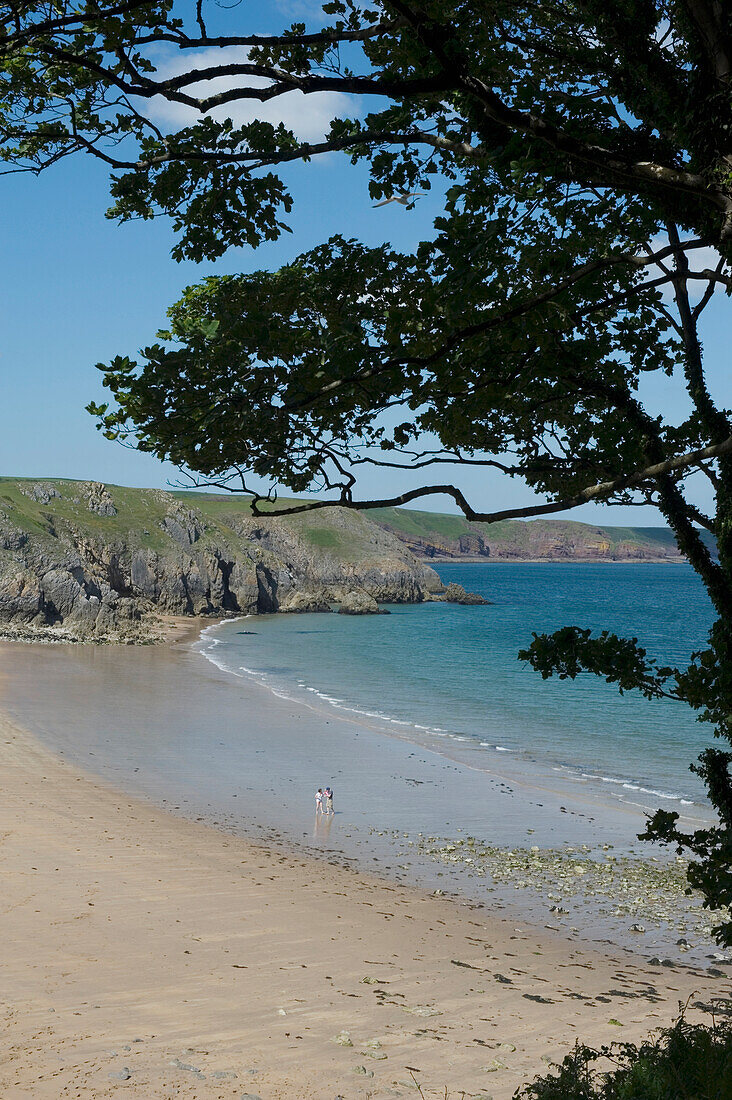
{"x":681,"y":1062}
{"x":582,"y":154}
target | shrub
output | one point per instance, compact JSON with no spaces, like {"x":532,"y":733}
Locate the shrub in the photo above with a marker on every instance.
{"x":684,"y":1062}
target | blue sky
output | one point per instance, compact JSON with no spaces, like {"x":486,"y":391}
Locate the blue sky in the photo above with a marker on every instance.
{"x":76,"y":289}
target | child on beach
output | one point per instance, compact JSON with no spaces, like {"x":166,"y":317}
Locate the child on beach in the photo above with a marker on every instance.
{"x":328,"y":794}
{"x":319,"y":801}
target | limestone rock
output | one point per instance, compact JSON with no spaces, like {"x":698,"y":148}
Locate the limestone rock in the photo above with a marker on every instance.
{"x":20,"y":596}
{"x":183,"y":525}
{"x":306,"y":600}
{"x":358,"y":602}
{"x":11,"y":537}
{"x":42,"y":492}
{"x":66,"y":576}
{"x":455,"y":593}
{"x":98,"y":499}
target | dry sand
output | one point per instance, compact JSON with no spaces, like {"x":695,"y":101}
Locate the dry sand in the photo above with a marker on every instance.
{"x":148,"y":956}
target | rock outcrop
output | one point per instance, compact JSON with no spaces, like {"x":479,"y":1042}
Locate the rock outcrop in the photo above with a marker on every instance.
{"x":455,"y":593}
{"x":442,"y":537}
{"x":358,"y":602}
{"x":308,"y":600}
{"x":92,"y":561}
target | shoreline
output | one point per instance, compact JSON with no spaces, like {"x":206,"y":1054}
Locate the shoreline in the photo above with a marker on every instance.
{"x":458,"y":748}
{"x":142,"y":720}
{"x":550,"y":561}
{"x":165,"y":954}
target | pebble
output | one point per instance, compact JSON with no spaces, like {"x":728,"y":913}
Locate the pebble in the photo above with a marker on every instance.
{"x":363,"y":1072}
{"x":496,"y":1064}
{"x":188,"y":1068}
{"x":249,"y":1096}
{"x":123,"y":1075}
{"x":653,"y":891}
{"x":343,"y":1039}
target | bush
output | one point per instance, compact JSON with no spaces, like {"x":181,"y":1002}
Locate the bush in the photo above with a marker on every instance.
{"x":685,"y":1062}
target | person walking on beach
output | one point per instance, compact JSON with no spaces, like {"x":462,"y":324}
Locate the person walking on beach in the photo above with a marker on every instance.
{"x":319,"y":800}
{"x":328,"y":793}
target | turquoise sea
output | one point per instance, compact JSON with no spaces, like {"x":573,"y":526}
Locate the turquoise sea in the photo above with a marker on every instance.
{"x":448,"y":675}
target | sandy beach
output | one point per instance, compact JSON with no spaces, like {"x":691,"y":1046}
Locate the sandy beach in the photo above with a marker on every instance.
{"x":148,"y":955}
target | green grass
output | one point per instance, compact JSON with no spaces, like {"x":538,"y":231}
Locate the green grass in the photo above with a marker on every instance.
{"x":518,"y":534}
{"x":423,"y":524}
{"x":141,"y":512}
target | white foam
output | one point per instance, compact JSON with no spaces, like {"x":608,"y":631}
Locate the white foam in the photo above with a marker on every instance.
{"x":218,"y":664}
{"x":211,"y":643}
{"x":628,"y":786}
{"x":208,"y":630}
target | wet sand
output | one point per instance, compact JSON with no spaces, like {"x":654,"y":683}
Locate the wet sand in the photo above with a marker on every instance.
{"x":150,"y":954}
{"x":166,"y":724}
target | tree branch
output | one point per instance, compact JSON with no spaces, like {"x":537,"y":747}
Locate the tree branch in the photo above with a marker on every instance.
{"x":593,"y":492}
{"x":327,"y":36}
{"x":716,"y":423}
{"x":607,"y":161}
{"x":708,"y":19}
{"x":68,"y":23}
{"x":499,"y":317}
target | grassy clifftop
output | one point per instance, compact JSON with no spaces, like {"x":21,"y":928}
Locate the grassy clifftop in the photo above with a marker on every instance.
{"x":439,"y":535}
{"x":96,"y":559}
{"x":114,"y":512}
{"x":146,"y":519}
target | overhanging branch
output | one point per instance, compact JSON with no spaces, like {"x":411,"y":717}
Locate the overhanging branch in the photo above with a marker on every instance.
{"x":600,"y":491}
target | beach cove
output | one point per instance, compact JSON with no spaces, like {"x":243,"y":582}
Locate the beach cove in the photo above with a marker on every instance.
{"x":150,"y":955}
{"x":236,"y":935}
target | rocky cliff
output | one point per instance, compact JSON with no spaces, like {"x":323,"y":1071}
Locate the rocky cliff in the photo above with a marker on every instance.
{"x":85,"y":560}
{"x":435,"y":536}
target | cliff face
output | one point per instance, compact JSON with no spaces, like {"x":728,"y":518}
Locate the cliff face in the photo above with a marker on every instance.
{"x":94,"y":561}
{"x":437,"y":536}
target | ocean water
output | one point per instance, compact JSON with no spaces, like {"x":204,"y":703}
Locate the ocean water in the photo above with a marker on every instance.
{"x":448,"y":676}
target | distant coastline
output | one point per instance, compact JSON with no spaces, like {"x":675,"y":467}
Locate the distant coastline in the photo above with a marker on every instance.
{"x":555,"y":561}
{"x":443,"y":537}
{"x":84,"y":561}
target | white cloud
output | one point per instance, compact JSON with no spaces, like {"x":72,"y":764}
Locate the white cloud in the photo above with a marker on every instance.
{"x":308,"y":116}
{"x":301,"y":9}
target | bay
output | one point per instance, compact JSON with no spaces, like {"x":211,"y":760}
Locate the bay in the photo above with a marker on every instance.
{"x":449,"y":674}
